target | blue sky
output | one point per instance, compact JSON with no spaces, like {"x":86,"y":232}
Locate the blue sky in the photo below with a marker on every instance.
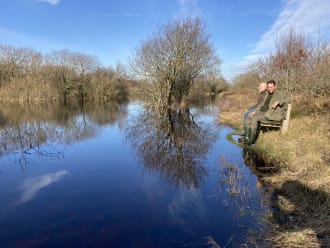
{"x":240,"y":30}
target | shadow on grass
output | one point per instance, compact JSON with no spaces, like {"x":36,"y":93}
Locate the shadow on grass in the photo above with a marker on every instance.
{"x":297,"y":208}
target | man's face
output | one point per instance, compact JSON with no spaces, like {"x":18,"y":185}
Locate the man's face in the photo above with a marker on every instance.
{"x":271,"y":88}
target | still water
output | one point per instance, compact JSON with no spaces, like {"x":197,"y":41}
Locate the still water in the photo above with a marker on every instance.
{"x":123,"y":176}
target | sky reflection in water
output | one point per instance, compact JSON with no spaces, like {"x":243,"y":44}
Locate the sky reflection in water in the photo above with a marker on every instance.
{"x":32,"y":186}
{"x":125,"y":177}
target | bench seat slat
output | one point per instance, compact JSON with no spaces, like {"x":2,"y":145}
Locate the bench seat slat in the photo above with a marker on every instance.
{"x":263,"y":124}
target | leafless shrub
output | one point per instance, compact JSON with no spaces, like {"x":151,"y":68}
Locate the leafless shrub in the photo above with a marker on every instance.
{"x":173,"y":58}
{"x":299,"y":64}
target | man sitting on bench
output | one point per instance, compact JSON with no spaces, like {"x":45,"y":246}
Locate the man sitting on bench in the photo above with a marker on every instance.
{"x":270,"y":109}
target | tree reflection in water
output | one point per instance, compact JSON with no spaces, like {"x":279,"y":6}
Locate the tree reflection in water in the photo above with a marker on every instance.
{"x":172,"y":143}
{"x":27,"y":132}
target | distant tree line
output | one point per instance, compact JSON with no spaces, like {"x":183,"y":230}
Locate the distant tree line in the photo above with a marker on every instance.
{"x":176,"y":65}
{"x":30,"y":76}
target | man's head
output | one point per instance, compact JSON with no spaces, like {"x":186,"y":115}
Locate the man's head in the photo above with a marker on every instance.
{"x":262,"y":87}
{"x":271,"y":86}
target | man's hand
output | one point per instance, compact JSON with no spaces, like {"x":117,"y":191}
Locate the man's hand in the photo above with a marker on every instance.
{"x":252,"y":114}
{"x":275,"y":104}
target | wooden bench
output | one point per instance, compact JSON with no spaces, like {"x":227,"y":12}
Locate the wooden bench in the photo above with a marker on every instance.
{"x":283,"y":125}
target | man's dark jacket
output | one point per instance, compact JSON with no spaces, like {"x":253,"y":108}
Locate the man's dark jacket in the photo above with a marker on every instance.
{"x":279,"y":112}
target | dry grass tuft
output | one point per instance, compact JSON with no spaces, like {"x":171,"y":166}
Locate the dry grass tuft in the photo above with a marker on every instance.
{"x":301,"y":239}
{"x":303,"y":151}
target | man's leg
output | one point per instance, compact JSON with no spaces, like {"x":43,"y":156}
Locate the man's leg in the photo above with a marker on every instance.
{"x":246,"y":119}
{"x":245,"y":116}
{"x":254,"y":127}
{"x":257,"y":118}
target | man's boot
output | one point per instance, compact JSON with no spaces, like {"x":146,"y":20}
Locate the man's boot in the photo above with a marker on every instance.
{"x":247,"y":135}
{"x":245,"y":128}
{"x":253,"y":136}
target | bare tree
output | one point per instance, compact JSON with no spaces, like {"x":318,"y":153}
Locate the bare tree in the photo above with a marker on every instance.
{"x":121,"y":71}
{"x":71,"y":70}
{"x":18,"y":62}
{"x":84,"y":65}
{"x":299,"y":63}
{"x":319,"y":77}
{"x":290,"y":60}
{"x":62,"y":71}
{"x":173,"y":58}
{"x":107,"y":85}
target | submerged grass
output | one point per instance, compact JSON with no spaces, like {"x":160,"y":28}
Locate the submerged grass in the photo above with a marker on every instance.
{"x":301,"y":186}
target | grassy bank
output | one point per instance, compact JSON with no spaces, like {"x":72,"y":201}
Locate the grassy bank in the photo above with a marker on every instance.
{"x":300,"y":194}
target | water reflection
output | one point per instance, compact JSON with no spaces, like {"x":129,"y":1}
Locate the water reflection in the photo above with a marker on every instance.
{"x":172,"y":143}
{"x":237,"y":189}
{"x":188,"y":201}
{"x":32,"y":186}
{"x":108,"y":200}
{"x":39,"y":130}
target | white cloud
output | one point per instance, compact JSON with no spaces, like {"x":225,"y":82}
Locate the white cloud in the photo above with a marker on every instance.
{"x":185,"y":202}
{"x":305,"y":16}
{"x":32,"y":186}
{"x":53,"y":2}
{"x":189,"y":8}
